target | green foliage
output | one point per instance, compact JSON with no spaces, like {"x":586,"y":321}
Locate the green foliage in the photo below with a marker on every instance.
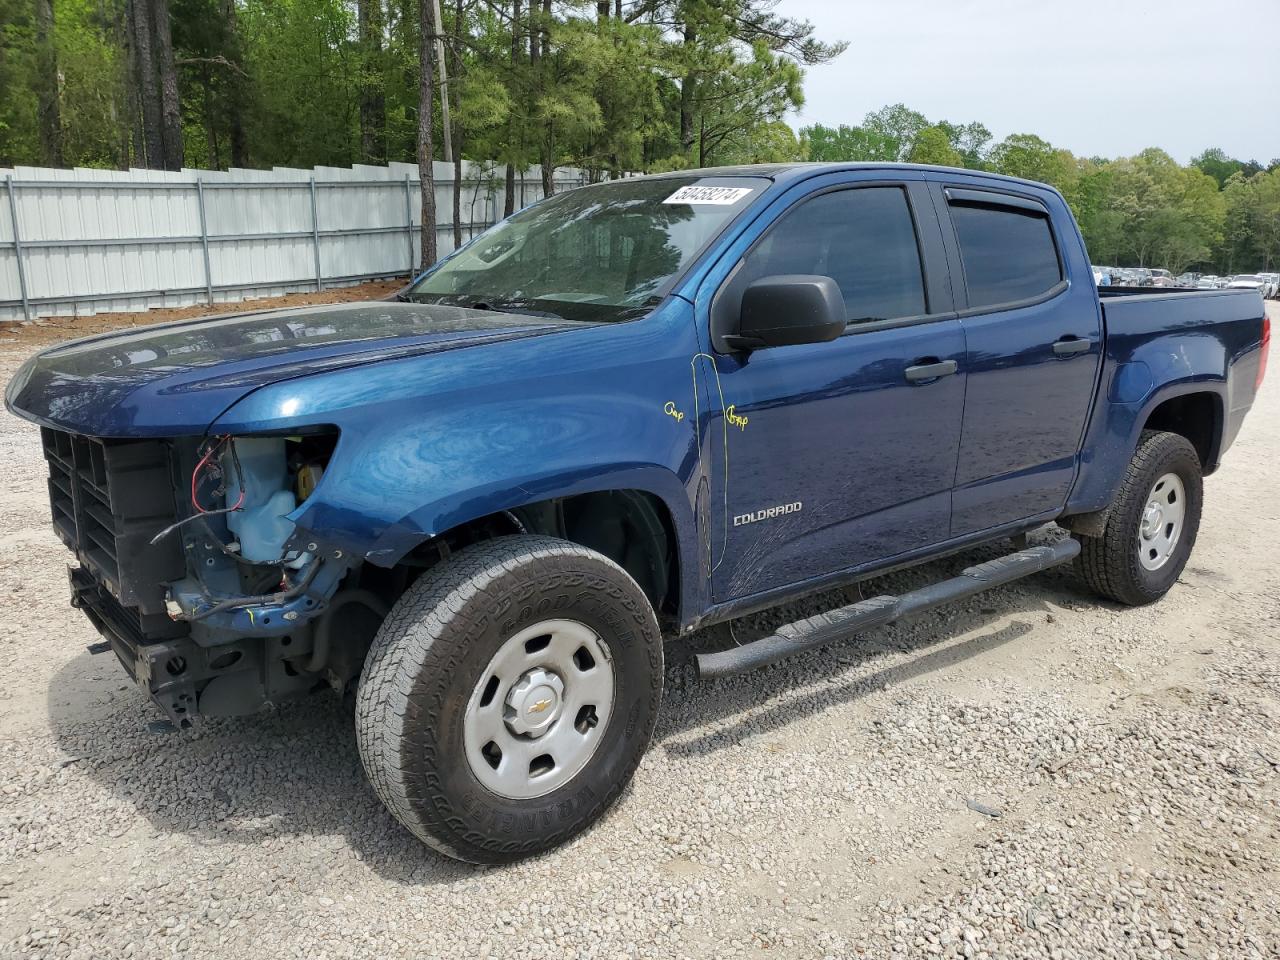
{"x":1216,"y":213}
{"x":829,"y":144}
{"x":895,"y":134}
{"x":1217,"y":164}
{"x":638,"y":85}
{"x":19,"y":142}
{"x":932,"y":145}
{"x":641,"y":85}
{"x":303,"y":61}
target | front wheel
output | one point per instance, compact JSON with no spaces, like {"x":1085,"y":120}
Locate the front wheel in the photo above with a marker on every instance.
{"x":1151,"y":526}
{"x":509,"y":696}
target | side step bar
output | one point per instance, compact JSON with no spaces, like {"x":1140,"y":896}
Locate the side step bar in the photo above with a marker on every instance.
{"x":825,"y":628}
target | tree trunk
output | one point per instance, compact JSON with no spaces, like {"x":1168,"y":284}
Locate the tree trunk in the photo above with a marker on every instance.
{"x":687,"y":85}
{"x":509,"y":200}
{"x":547,"y":148}
{"x":237,"y":88}
{"x":47,"y":93}
{"x":210,"y":122}
{"x":125,"y":102}
{"x":602,"y":10}
{"x":170,"y":106}
{"x":144,"y":71}
{"x":373,"y":104}
{"x":538,"y":86}
{"x":455,"y":56}
{"x":426,"y":145}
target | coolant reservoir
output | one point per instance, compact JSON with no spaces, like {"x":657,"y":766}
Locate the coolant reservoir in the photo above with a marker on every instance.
{"x":261,"y":523}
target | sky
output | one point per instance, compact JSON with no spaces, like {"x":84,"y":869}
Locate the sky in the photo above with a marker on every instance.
{"x":1098,"y":77}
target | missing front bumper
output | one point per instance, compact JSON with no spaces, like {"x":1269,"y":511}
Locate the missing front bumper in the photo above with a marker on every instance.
{"x":188,"y":681}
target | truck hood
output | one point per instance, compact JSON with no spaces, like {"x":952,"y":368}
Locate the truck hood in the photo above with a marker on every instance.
{"x":175,"y":379}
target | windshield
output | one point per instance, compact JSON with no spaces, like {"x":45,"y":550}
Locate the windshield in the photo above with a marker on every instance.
{"x":603,"y":252}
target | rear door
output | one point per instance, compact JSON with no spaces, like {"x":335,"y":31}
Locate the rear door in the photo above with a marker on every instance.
{"x":832,"y":455}
{"x":1033,"y":330}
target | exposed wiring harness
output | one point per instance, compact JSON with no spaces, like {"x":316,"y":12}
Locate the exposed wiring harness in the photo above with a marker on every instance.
{"x":283,"y":596}
{"x":216,"y":471}
{"x":208,"y":464}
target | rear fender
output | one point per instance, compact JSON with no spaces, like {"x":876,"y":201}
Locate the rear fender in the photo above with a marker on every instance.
{"x":1153,"y":372}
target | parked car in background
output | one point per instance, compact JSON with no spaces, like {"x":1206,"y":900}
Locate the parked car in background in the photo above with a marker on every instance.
{"x":1247,"y":281}
{"x":1207,"y":283}
{"x":1273,"y":284}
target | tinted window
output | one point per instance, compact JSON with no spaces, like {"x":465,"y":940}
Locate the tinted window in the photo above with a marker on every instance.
{"x":864,"y":239}
{"x":1008,"y":254}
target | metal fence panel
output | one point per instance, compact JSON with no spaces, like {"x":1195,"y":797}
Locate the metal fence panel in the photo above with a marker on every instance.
{"x":89,"y":241}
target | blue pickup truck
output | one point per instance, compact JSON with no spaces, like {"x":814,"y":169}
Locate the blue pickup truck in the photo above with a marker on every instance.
{"x":628,"y":411}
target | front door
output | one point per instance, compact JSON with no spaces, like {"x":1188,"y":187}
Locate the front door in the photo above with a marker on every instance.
{"x":833,"y":455}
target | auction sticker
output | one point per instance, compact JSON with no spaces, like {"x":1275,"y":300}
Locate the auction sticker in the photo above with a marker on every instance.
{"x":721,"y":196}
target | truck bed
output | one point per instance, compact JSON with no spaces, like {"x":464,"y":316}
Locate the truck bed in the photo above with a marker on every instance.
{"x":1187,"y":340}
{"x":1140,"y":311}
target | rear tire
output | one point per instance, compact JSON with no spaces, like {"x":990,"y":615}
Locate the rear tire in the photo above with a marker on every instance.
{"x":1151,"y":525}
{"x":509,"y":696}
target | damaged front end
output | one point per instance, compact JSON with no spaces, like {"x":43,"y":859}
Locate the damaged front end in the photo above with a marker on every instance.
{"x":193,"y":571}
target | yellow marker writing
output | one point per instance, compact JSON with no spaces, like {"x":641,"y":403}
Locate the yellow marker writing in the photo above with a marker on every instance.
{"x":733,"y":419}
{"x":670,"y":410}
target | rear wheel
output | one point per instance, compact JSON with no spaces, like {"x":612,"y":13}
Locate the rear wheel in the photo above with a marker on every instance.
{"x":1151,"y":526}
{"x":509,"y":696}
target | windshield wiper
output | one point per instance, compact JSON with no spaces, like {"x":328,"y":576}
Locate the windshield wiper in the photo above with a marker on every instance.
{"x":511,"y":306}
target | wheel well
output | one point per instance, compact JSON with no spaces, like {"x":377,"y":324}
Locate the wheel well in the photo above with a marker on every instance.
{"x":1196,"y":416}
{"x":633,"y":528}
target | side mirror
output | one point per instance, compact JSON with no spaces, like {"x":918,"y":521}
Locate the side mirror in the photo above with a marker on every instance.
{"x":783,"y":310}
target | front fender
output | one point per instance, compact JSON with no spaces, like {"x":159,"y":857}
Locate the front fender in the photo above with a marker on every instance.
{"x":427,"y":444}
{"x":386,"y":492}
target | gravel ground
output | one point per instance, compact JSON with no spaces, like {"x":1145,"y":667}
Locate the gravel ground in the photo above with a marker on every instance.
{"x":1029,"y":774}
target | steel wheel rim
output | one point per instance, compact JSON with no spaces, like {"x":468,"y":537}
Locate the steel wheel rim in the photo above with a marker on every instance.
{"x":539,"y":710}
{"x":1162,"y":520}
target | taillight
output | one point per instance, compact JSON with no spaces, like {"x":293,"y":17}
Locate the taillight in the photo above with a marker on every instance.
{"x":1266,"y":346}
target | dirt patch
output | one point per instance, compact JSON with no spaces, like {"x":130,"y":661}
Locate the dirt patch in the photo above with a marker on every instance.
{"x":15,"y":336}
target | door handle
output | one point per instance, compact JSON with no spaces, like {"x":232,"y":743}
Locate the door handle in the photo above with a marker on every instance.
{"x":930,"y":370}
{"x":1070,"y":346}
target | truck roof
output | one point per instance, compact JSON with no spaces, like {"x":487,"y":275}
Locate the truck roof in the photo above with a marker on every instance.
{"x":799,"y":170}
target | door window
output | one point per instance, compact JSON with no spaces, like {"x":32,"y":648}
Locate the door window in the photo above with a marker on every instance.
{"x":1008,"y":252}
{"x":862,"y":238}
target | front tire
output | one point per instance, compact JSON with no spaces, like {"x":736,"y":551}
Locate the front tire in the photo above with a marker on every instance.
{"x":1151,"y":525}
{"x":509,"y":696}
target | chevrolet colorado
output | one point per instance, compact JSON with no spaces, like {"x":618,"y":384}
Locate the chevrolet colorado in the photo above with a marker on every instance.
{"x":630,"y":410}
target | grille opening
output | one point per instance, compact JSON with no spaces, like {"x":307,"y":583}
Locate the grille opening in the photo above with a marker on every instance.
{"x":107,"y":500}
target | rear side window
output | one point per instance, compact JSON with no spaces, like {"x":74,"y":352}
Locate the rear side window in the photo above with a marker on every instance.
{"x":1008,"y":253}
{"x":862,"y":238}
